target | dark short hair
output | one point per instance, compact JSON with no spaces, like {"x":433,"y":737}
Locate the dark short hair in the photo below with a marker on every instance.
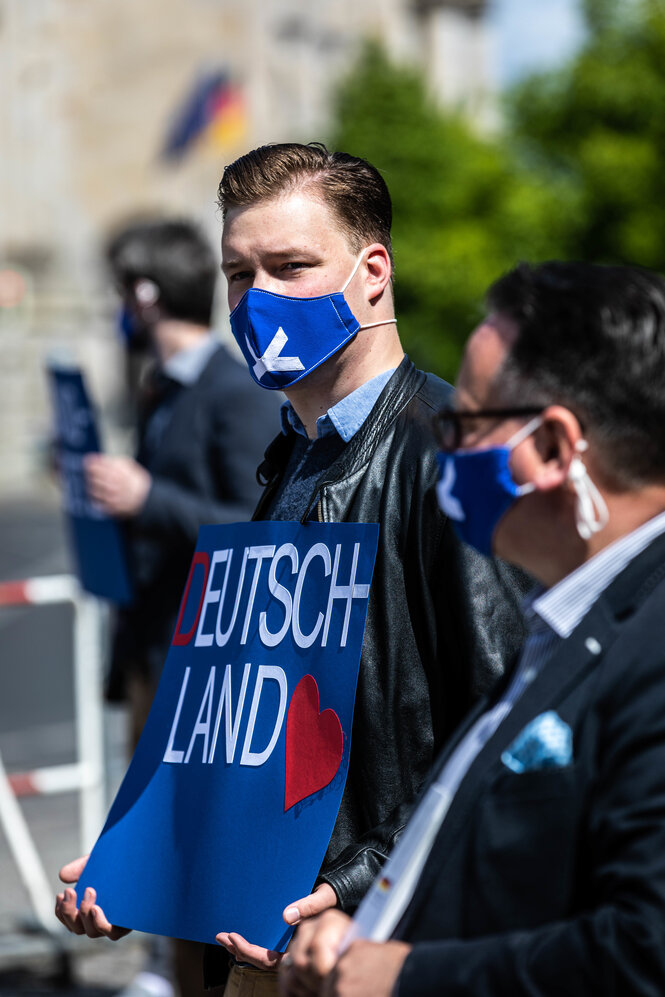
{"x":352,"y":187}
{"x":176,"y":256}
{"x":593,"y":339}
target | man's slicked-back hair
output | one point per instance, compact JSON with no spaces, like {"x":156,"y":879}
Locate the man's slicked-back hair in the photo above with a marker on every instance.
{"x":175,"y":255}
{"x":350,"y":186}
{"x":592,"y":338}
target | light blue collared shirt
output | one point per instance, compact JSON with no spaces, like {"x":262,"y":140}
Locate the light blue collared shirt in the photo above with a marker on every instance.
{"x":344,"y":418}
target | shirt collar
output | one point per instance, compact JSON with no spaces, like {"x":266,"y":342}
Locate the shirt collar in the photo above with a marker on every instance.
{"x":563,"y":606}
{"x":186,"y":365}
{"x":347,"y":416}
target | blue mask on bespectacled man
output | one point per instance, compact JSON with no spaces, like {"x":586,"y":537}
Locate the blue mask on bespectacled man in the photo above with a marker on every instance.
{"x":475,"y":488}
{"x":283,"y":338}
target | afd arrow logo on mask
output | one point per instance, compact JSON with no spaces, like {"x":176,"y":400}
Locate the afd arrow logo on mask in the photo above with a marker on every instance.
{"x":230,"y":800}
{"x":314,"y":328}
{"x":272,"y":362}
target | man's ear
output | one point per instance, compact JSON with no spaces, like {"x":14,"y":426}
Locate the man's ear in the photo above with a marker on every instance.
{"x":146,"y":297}
{"x":377,"y":270}
{"x":557,"y":441}
{"x":146,"y":292}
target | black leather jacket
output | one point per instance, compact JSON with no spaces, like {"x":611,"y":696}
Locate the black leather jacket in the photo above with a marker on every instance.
{"x":441,"y":624}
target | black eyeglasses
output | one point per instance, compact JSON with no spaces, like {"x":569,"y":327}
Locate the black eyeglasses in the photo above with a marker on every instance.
{"x":447,"y":423}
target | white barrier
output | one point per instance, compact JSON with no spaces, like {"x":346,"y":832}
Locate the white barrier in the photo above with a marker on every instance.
{"x":86,"y":775}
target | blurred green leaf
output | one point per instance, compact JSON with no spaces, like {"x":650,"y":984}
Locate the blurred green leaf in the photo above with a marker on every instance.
{"x":465,"y":210}
{"x":600,"y":124}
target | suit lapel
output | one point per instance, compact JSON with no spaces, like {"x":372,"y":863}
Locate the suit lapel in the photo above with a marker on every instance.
{"x":574,"y":656}
{"x":483,"y":704}
{"x":569,"y":664}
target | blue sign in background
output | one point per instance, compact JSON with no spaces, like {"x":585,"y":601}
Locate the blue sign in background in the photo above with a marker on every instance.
{"x":97,"y":541}
{"x":227,"y":808}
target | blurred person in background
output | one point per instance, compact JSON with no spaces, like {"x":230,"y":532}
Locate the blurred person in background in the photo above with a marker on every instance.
{"x":202,"y":430}
{"x":545,"y":869}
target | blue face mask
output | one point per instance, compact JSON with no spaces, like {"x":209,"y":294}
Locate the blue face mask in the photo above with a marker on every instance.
{"x":133,"y":332}
{"x":476,"y":488}
{"x":284,"y":339}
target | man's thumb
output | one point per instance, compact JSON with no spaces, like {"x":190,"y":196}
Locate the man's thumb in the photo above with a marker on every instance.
{"x":71,"y":872}
{"x":323,"y":897}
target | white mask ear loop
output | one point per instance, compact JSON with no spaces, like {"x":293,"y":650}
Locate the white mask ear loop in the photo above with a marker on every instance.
{"x":591,"y":512}
{"x":146,"y":292}
{"x":353,"y":272}
{"x":524,"y":432}
{"x":519,"y":437}
{"x":368,"y":325}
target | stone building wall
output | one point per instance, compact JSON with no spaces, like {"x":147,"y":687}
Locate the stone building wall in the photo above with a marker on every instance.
{"x":89,"y":87}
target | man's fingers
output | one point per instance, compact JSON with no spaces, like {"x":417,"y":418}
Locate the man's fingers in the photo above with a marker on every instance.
{"x":315,"y":903}
{"x":104,"y":926}
{"x":92,"y":463}
{"x":313,"y":952}
{"x":324,"y":946}
{"x":94,"y":922}
{"x":71,"y":872}
{"x":224,"y":940}
{"x":256,"y":955}
{"x":66,"y":912}
{"x":85,"y":913}
{"x":291,"y":984}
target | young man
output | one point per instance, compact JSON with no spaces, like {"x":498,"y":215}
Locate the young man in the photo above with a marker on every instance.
{"x":303,"y":223}
{"x":546,"y":867}
{"x":307,"y":255}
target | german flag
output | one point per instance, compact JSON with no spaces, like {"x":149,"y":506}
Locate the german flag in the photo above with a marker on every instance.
{"x":213,"y":110}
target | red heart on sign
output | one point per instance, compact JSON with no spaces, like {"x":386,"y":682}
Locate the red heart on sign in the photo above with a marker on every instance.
{"x":314,"y":744}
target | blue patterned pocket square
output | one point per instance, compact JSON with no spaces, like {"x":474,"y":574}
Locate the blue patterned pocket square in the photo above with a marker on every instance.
{"x":546,"y":742}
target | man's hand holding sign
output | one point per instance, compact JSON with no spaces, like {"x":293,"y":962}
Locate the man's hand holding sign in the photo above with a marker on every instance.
{"x":249,"y":735}
{"x":89,"y":918}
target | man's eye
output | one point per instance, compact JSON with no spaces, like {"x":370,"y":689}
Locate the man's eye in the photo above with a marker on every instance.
{"x":238,"y":276}
{"x":295,"y":265}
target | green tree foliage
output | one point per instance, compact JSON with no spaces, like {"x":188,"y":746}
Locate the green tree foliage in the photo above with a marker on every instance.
{"x":464,"y":209}
{"x":598,"y":125}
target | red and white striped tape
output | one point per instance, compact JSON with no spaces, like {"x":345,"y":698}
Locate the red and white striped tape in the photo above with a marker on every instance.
{"x":33,"y":591}
{"x":53,"y":779}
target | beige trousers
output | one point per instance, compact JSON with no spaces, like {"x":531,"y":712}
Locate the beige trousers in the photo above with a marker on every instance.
{"x":245,"y":981}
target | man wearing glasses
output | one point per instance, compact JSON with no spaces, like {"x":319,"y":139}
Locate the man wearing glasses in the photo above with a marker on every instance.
{"x":535,"y":862}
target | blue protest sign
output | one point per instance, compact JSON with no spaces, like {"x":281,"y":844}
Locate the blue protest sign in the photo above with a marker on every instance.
{"x":96,"y":540}
{"x":227,"y":808}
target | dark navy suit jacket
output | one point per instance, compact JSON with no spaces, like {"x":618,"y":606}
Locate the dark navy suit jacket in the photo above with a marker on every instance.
{"x":552,"y":882}
{"x":203,"y":464}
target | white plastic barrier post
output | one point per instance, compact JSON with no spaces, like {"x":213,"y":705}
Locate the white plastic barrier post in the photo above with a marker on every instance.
{"x":25,"y":854}
{"x":89,"y":716}
{"x":86,"y":775}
